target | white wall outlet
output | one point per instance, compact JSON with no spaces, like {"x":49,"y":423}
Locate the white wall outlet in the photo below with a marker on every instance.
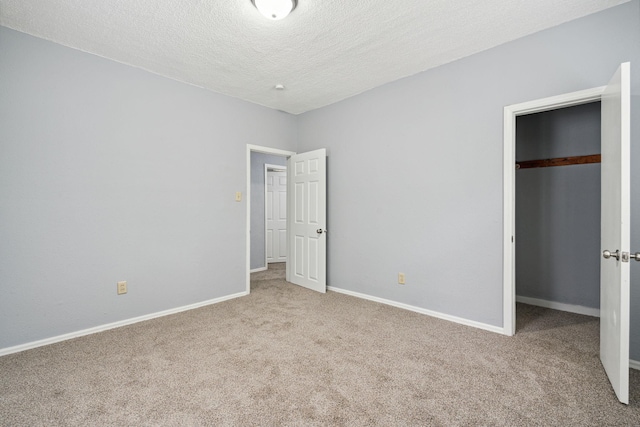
{"x":122,"y":287}
{"x":238,"y":196}
{"x":401,"y":278}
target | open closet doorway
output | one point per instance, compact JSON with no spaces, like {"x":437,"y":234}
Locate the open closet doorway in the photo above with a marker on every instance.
{"x":614,"y":251}
{"x":558,"y":210}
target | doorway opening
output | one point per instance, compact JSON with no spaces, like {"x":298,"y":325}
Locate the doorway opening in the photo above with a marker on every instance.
{"x":615,"y":212}
{"x":259,"y":161}
{"x":509,"y":197}
{"x":557,"y":203}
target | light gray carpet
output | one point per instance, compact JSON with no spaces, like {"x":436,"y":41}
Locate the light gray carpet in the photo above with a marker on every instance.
{"x":285,"y":355}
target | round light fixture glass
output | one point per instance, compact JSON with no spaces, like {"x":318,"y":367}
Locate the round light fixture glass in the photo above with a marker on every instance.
{"x":275,"y":9}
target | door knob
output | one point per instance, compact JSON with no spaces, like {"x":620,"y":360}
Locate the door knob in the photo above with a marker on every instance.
{"x":635,"y":256}
{"x":320,"y":231}
{"x":608,"y":254}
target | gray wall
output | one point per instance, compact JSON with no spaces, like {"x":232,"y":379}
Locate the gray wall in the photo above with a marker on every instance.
{"x":558,"y":208}
{"x":416,"y":166}
{"x":258,"y":160}
{"x":111,"y":173}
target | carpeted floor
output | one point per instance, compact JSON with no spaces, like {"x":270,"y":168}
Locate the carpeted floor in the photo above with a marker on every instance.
{"x":285,"y":355}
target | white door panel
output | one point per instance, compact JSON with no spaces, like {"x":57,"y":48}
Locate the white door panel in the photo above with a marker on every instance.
{"x":615,"y":231}
{"x":282,"y":245}
{"x":308,"y":213}
{"x":269,"y":245}
{"x":276,"y":216}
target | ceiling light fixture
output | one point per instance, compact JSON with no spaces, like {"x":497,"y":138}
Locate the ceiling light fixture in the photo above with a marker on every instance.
{"x":275,"y":9}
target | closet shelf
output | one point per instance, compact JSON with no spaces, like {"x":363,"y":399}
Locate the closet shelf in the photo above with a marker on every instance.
{"x":559,"y":161}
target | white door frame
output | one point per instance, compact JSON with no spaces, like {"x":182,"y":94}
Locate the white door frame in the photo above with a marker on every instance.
{"x":268,"y":166}
{"x":265,"y":150}
{"x":509,"y":190}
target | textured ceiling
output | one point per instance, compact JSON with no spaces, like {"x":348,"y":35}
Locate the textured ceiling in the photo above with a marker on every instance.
{"x":325,"y":51}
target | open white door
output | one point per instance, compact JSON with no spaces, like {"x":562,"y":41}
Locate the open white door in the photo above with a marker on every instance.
{"x":615,"y":232}
{"x":307,"y":179}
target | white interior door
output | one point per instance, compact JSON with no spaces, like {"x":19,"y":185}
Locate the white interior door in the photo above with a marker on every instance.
{"x":276,"y":216}
{"x":307,"y":220}
{"x":615,"y":232}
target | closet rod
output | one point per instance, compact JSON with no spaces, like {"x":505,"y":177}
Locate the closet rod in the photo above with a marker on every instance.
{"x":559,"y":161}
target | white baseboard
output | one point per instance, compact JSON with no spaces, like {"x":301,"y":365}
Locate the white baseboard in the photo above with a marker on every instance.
{"x":96,"y":329}
{"x":255,"y":270}
{"x":578,"y":309}
{"x":634,"y":364}
{"x":460,"y":320}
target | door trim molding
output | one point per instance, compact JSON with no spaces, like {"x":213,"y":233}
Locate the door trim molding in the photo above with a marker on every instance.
{"x":508,"y":179}
{"x":264,"y":150}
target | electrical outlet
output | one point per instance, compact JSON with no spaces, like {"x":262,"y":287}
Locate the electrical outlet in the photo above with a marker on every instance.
{"x":238,"y":196}
{"x":122,"y":287}
{"x":401,"y":278}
